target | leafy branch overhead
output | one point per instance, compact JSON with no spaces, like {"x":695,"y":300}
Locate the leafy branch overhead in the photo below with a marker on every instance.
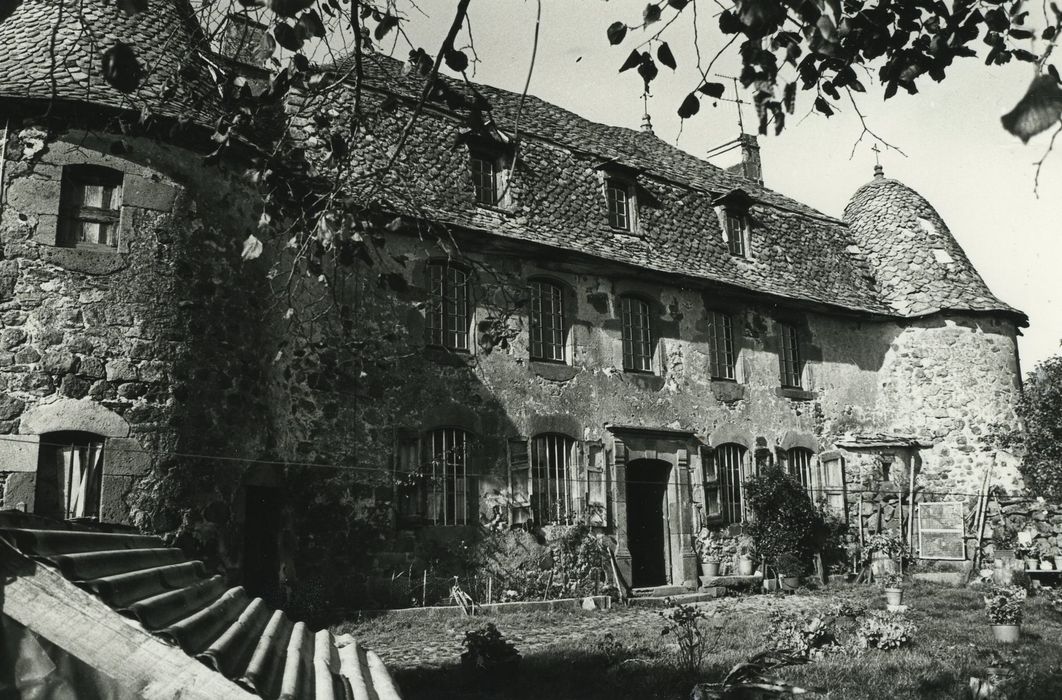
{"x":831,"y":49}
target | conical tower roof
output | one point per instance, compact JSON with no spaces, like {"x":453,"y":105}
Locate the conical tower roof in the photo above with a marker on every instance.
{"x":54,"y":50}
{"x":920,"y":267}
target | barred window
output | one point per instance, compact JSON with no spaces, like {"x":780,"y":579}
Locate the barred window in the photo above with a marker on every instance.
{"x":547,"y":322}
{"x":484,"y":179}
{"x":730,"y":459}
{"x":637,"y":336}
{"x":447,"y":495}
{"x":723,"y":354}
{"x":736,"y":227}
{"x":798,"y":465}
{"x":448,"y":308}
{"x":89,"y":207}
{"x":553,"y":489}
{"x":618,"y":198}
{"x":792,"y":365}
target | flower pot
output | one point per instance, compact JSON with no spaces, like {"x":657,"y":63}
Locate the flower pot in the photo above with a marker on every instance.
{"x":789,"y":583}
{"x":894,"y":596}
{"x":1047,"y":565}
{"x":745,"y":566}
{"x":1006,"y":634}
{"x":881,"y":564}
{"x":770,"y":584}
{"x":1031,"y":564}
{"x":711,"y":568}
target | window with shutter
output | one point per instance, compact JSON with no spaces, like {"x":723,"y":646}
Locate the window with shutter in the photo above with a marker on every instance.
{"x":730,"y":461}
{"x":833,"y":484}
{"x":410,"y":491}
{"x":713,"y":512}
{"x":90,"y":207}
{"x":553,"y":487}
{"x":69,"y":475}
{"x":520,"y":483}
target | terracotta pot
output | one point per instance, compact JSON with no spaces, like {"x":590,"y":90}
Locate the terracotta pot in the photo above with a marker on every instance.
{"x":1006,"y":634}
{"x":745,"y":566}
{"x":881,"y":564}
{"x":711,"y":568}
{"x":1031,"y":564}
{"x":894,"y":596}
{"x":789,"y":583}
{"x":1047,"y":565}
{"x":770,"y":584}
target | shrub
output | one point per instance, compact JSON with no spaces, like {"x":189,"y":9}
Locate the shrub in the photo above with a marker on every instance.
{"x":1005,"y":605}
{"x":1053,"y":597}
{"x":883,"y":630}
{"x":487,"y":651}
{"x":892,"y":580}
{"x":789,"y":564}
{"x":889,"y":545}
{"x":784,"y":519}
{"x":804,"y":637}
{"x":684,"y":623}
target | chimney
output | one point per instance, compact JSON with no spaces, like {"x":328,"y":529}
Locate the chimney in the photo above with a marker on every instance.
{"x":242,"y":40}
{"x":750,"y":158}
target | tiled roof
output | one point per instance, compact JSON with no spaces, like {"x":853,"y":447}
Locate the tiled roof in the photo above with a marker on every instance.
{"x":53,"y":49}
{"x":176,"y":599}
{"x":919,"y":265}
{"x":797,"y":252}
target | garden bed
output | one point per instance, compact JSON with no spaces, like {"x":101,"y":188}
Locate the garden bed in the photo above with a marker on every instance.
{"x":601,"y":602}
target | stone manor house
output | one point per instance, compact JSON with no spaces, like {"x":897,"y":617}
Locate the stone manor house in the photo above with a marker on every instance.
{"x":610,"y":330}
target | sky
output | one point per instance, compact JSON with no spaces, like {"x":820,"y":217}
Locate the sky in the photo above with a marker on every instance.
{"x":955,"y":153}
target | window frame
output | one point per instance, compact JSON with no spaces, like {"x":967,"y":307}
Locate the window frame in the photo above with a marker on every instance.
{"x":722,"y":362}
{"x":620,"y":218}
{"x":555,"y":496}
{"x":438,"y":494}
{"x":646,"y":342}
{"x":74,"y":213}
{"x":736,"y":229}
{"x":730,"y":462}
{"x":800,"y":464}
{"x":790,"y":360}
{"x":556,"y":349}
{"x":448,"y":317}
{"x":494,"y":183}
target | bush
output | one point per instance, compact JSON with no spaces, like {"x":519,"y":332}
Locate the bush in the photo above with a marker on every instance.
{"x":790,"y":564}
{"x":1005,"y":605}
{"x":784,"y":519}
{"x":684,"y":623}
{"x":487,"y":651}
{"x":883,"y":630}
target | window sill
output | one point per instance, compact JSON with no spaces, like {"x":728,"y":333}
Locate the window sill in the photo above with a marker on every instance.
{"x":644,"y":380}
{"x":495,"y":209}
{"x":727,"y":390}
{"x":450,"y":358}
{"x":553,"y":371}
{"x":91,"y":261}
{"x":795,"y":394}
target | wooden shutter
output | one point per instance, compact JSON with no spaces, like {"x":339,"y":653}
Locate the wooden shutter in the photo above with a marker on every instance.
{"x":596,"y":484}
{"x":713,"y":507}
{"x":833,"y":486}
{"x":406,"y":463}
{"x":520,"y":484}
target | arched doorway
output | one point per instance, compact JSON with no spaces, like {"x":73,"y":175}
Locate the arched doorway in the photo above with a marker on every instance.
{"x":647,"y":521}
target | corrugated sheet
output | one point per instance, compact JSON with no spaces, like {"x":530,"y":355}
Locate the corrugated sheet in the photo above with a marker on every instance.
{"x":177,"y":599}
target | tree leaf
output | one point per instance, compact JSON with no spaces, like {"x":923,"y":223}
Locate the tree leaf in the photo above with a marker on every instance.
{"x":287,"y":8}
{"x":679,"y":5}
{"x":311,"y":23}
{"x":456,"y":60}
{"x":789,"y":97}
{"x":665,"y":56}
{"x":387,"y":23}
{"x":823,"y":106}
{"x":647,"y":69}
{"x":1038,"y":109}
{"x":633,"y":60}
{"x":714,"y":90}
{"x":121,"y":69}
{"x":252,"y":248}
{"x":690,"y":106}
{"x":616,"y":32}
{"x":651,"y":14}
{"x":286,"y":36}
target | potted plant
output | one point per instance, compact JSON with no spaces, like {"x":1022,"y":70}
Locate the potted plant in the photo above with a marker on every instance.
{"x":746,"y":565}
{"x":893,"y":585}
{"x":709,"y":550}
{"x":1004,"y":606}
{"x":1046,"y":563}
{"x":884,"y":551}
{"x":1030,"y":554}
{"x":1004,"y":539}
{"x":790,"y":570}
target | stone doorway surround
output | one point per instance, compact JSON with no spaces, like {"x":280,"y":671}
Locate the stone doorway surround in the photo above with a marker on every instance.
{"x":631,"y":443}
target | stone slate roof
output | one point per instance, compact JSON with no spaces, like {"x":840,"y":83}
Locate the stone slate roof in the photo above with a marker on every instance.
{"x":166,"y":39}
{"x":797,"y":252}
{"x":919,"y":265}
{"x":175,"y":598}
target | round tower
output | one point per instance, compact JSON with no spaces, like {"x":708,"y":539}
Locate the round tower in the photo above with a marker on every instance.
{"x":950,"y":375}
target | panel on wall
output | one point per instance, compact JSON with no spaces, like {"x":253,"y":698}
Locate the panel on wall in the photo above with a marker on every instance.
{"x":941,"y":531}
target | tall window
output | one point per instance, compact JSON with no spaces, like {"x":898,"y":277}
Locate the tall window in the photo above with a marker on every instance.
{"x":553,"y":488}
{"x":792,"y":365}
{"x":637,"y":336}
{"x":484,"y":179}
{"x":723,"y":354}
{"x":89,"y":207}
{"x":729,"y":460}
{"x":798,"y":464}
{"x":736,"y":225}
{"x":448,"y":495}
{"x":618,"y":199}
{"x":69,"y":475}
{"x":448,"y":308}
{"x":547,"y":322}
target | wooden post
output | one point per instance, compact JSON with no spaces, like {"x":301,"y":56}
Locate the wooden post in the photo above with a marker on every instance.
{"x":490,"y":590}
{"x":979,"y":521}
{"x":424,"y":589}
{"x":911,"y":510}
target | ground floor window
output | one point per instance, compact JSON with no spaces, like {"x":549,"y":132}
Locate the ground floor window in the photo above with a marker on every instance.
{"x":799,"y":466}
{"x":69,"y":475}
{"x":730,"y":459}
{"x":553,"y":489}
{"x":431,"y":475}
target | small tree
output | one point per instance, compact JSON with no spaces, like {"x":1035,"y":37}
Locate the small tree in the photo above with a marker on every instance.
{"x":1040,"y":411}
{"x":784,"y":519}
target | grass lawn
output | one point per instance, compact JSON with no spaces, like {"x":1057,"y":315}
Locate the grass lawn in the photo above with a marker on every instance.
{"x":571,"y":656}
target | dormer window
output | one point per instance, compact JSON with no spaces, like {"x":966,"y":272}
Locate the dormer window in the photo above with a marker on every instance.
{"x":736,"y":228}
{"x":620,"y":201}
{"x":90,"y":207}
{"x":484,"y":179}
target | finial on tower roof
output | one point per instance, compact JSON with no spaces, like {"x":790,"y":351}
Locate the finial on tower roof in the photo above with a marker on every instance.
{"x":878,"y":170}
{"x":647,"y":123}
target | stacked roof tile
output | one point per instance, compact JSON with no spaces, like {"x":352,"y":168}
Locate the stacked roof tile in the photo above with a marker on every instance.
{"x":53,"y":50}
{"x":919,"y":265}
{"x":175,"y":598}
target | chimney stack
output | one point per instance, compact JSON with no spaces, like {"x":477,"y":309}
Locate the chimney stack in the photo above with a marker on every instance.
{"x":751,"y":167}
{"x":242,"y":40}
